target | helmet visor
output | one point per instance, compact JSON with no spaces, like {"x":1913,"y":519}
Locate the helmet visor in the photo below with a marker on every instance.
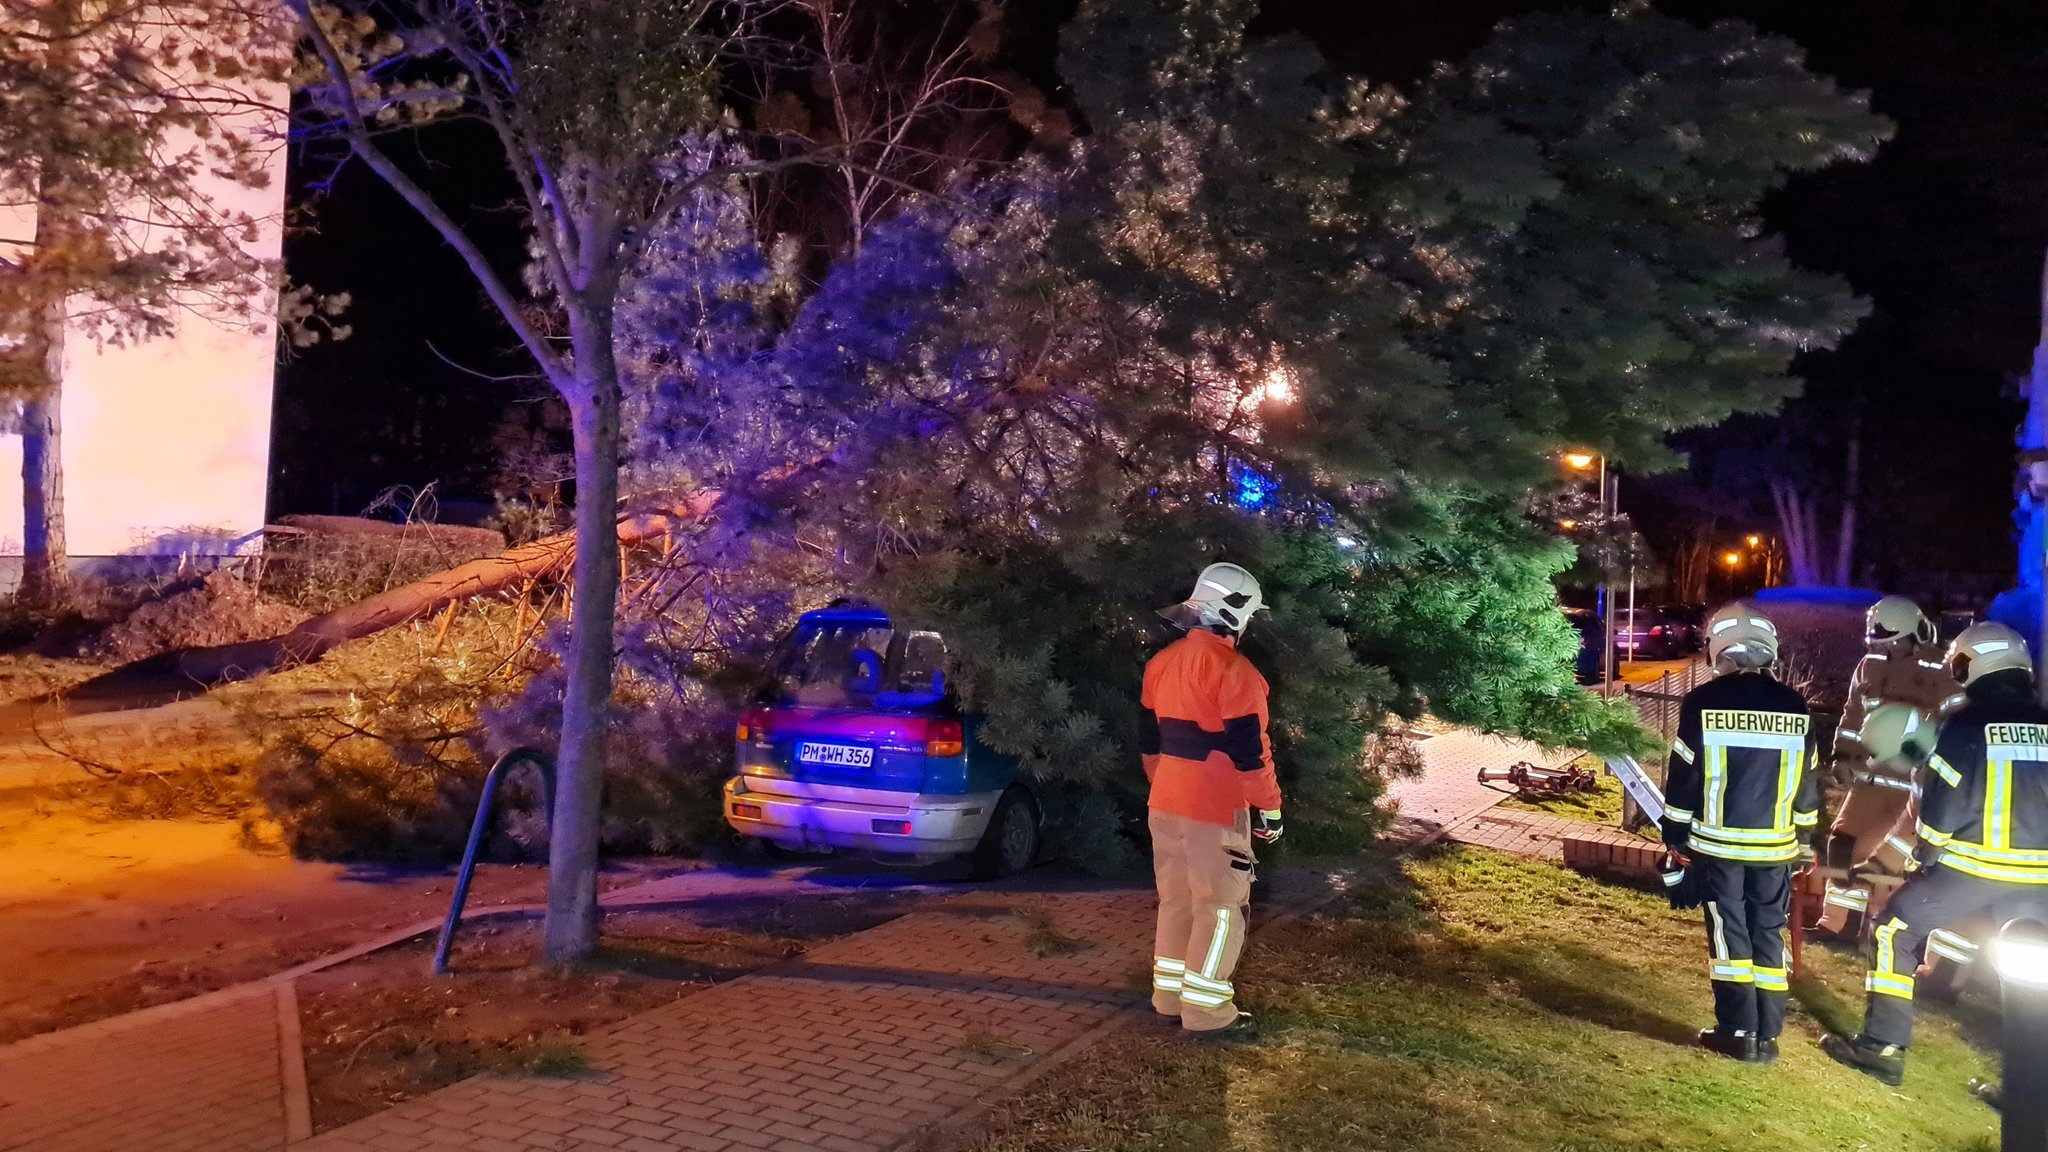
{"x":1184,"y":616}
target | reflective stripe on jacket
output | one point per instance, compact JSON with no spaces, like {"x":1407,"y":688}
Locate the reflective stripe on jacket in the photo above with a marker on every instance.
{"x":1202,"y":731}
{"x":1984,"y":794}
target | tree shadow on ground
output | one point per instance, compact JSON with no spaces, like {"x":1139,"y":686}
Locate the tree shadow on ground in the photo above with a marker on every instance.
{"x":1384,"y":928}
{"x":656,"y":964}
{"x":1588,"y":993}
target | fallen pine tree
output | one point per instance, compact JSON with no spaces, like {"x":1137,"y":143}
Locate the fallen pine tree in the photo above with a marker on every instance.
{"x":196,"y":669}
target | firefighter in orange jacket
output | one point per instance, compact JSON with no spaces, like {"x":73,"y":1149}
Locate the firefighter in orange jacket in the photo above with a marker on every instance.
{"x":1210,"y":763}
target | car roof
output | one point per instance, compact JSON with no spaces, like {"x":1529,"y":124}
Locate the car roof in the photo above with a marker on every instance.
{"x":846,"y":614}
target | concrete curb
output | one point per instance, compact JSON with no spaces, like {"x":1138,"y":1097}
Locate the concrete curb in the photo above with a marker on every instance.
{"x":291,"y":1053}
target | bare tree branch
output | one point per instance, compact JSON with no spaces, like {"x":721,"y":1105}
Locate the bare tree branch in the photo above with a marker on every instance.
{"x":366,"y":149}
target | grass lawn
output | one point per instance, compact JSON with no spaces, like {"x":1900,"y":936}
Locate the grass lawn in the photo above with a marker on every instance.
{"x":1475,"y":1001}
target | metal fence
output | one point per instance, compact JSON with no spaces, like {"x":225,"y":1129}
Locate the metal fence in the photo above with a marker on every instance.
{"x":1657,"y":701}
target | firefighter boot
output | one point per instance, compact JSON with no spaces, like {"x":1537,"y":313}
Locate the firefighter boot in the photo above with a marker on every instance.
{"x":1886,"y":1062}
{"x":1740,"y":1046}
{"x":1767,"y":1051}
{"x":1239,"y":1031}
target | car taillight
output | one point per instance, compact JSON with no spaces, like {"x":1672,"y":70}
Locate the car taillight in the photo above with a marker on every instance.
{"x":753,"y":725}
{"x":1657,"y":631}
{"x":944,"y":738}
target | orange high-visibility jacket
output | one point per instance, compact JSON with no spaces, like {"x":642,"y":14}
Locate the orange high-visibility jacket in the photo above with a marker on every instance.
{"x":1202,"y":731}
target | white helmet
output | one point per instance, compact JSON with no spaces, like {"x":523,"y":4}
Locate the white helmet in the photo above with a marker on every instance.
{"x":1897,"y":734}
{"x":1741,"y":637}
{"x":1894,"y":619}
{"x":1984,"y":648}
{"x":1225,"y":596}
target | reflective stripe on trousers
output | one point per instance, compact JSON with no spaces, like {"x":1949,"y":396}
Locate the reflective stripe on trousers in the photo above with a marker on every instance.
{"x":1885,"y":978}
{"x":1167,"y":974}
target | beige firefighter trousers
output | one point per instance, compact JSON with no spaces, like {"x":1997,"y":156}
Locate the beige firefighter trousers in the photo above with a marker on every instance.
{"x":1204,"y":873}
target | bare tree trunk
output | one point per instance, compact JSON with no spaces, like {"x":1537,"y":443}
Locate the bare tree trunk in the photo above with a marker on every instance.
{"x":1795,"y":521}
{"x":45,"y":560}
{"x":1845,"y":543}
{"x":570,"y":933}
{"x":1810,"y":532}
{"x":1699,"y":563}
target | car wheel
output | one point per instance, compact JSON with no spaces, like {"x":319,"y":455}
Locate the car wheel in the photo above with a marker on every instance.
{"x":1010,"y":845}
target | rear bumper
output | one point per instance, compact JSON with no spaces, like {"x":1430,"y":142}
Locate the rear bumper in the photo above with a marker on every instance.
{"x":813,"y":817}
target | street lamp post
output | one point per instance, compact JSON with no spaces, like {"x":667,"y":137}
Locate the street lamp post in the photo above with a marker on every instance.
{"x":1634,"y":623}
{"x":1580,"y":461}
{"x":1606,"y":589}
{"x":2022,"y":959}
{"x":1610,"y":511}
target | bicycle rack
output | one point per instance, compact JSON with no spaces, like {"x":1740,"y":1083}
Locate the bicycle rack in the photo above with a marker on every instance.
{"x":546,"y":769}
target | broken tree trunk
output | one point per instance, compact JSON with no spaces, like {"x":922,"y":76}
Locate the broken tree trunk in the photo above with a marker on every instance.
{"x":206,"y":667}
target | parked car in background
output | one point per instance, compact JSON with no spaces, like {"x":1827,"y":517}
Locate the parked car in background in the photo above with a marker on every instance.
{"x":1650,"y":634}
{"x":859,"y":746}
{"x":1690,"y":620}
{"x":1590,"y":641}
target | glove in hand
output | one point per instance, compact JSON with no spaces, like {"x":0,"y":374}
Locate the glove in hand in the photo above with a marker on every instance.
{"x":1268,"y":827}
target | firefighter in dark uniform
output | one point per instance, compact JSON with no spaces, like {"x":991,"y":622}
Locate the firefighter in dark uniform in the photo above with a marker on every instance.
{"x":1983,"y":837}
{"x":1742,"y":804}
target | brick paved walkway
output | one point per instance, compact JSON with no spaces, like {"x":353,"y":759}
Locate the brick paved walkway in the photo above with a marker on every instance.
{"x":859,"y":1046}
{"x":1535,"y":833}
{"x":223,"y":1072}
{"x":1598,"y":849}
{"x":1448,"y":794}
{"x":855,"y":1047}
{"x":216,"y":1072}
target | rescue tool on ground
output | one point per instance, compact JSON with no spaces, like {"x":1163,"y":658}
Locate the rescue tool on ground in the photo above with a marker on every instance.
{"x":1536,"y":780}
{"x":1741,"y":806}
{"x":1983,"y":838}
{"x":1202,"y":733}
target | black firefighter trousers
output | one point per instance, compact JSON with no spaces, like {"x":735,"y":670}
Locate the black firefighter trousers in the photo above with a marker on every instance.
{"x":1933,"y":898}
{"x":1747,"y":906}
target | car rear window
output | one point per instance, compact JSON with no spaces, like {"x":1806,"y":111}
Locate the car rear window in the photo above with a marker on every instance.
{"x":862,"y":664}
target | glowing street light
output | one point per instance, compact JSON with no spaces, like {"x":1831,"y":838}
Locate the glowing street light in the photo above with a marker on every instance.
{"x":1755,"y":540}
{"x":2021,"y":957}
{"x":1567,"y":525}
{"x":1579,"y":461}
{"x":1277,"y":388}
{"x":1732,"y":559}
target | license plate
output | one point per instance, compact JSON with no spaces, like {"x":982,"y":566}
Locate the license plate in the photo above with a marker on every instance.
{"x":836,"y":755}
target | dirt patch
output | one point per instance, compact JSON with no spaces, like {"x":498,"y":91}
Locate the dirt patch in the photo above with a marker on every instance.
{"x":380,"y":1030}
{"x":28,"y":676}
{"x":222,"y":609}
{"x":98,"y":918}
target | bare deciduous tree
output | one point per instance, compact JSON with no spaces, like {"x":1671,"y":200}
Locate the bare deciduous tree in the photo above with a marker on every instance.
{"x":591,"y":103}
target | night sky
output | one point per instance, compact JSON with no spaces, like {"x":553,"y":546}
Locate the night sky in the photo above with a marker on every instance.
{"x":1945,"y":234}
